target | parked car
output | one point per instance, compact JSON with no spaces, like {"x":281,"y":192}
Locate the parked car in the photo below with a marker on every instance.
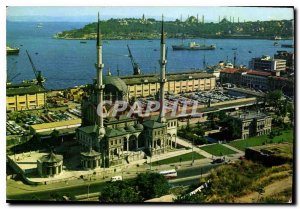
{"x":218,"y":160}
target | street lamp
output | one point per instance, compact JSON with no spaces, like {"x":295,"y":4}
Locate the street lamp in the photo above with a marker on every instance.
{"x":88,"y":191}
{"x":193,"y":151}
{"x":150,"y":156}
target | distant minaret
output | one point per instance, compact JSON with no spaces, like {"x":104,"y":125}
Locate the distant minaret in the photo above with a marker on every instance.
{"x":234,"y":59}
{"x":118,"y":70}
{"x":232,"y":19}
{"x":238,"y":19}
{"x":197,"y":18}
{"x":163,"y":79}
{"x":100,"y":86}
{"x":219,"y":19}
{"x":202,"y":19}
{"x":109,"y":72}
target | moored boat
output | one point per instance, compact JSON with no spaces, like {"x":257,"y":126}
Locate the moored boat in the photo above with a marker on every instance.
{"x":194,"y":46}
{"x":12,"y":51}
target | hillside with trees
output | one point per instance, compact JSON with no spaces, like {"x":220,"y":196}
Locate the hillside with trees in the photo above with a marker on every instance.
{"x":132,"y":28}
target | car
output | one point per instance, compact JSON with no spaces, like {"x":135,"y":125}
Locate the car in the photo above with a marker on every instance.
{"x":218,"y":160}
{"x":116,"y":178}
{"x":242,"y":157}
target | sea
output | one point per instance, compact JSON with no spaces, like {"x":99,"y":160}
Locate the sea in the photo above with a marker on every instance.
{"x":69,"y":63}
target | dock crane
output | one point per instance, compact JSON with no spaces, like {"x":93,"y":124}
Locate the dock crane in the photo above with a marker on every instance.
{"x":135,"y":66}
{"x":38,"y":74}
{"x":11,"y":76}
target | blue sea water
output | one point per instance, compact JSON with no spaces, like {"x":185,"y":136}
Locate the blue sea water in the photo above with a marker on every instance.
{"x":67,"y":63}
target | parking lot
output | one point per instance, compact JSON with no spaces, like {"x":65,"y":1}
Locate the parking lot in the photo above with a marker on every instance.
{"x":13,"y":129}
{"x":24,"y":120}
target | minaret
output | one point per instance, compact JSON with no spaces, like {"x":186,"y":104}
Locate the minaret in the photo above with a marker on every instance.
{"x":100,"y":86}
{"x":163,"y":79}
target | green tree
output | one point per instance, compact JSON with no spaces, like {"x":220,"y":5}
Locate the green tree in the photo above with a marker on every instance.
{"x":273,"y":98}
{"x":55,"y":137}
{"x":119,"y":192}
{"x":152,"y":185}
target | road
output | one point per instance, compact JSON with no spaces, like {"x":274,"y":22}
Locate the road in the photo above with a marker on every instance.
{"x":185,"y":177}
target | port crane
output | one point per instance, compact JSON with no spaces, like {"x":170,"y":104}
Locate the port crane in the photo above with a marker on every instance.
{"x":38,"y":74}
{"x":11,"y":76}
{"x":135,"y":66}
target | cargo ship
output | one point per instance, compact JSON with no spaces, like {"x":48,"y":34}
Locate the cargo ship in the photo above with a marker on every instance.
{"x":12,"y":51}
{"x":194,"y":46}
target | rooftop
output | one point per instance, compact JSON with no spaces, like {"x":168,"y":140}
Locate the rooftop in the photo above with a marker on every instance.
{"x":233,"y":70}
{"x":51,"y":158}
{"x":42,"y":126}
{"x":249,"y":115}
{"x":152,"y":78}
{"x":23,"y":88}
{"x":90,"y":153}
{"x":153,"y":124}
{"x":258,"y":73}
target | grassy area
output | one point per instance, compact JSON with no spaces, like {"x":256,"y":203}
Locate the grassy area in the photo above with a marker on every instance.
{"x":176,"y":159}
{"x":218,"y":150}
{"x":286,"y":136}
{"x":243,"y":182}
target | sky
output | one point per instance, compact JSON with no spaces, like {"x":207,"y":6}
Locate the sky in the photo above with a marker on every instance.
{"x":84,"y":13}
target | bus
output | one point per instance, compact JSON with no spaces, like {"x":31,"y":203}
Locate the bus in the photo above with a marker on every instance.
{"x":169,"y":174}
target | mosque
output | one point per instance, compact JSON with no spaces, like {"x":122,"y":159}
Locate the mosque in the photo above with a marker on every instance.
{"x":120,"y":140}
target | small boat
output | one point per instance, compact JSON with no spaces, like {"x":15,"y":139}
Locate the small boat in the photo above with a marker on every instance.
{"x":12,"y":51}
{"x":276,"y":38}
{"x":276,"y":44}
{"x":287,"y":45}
{"x":40,"y":25}
{"x":155,"y":50}
{"x":221,"y":48}
{"x":234,"y":48}
{"x":194,"y":46}
{"x":83,"y":42}
{"x":249,"y":51}
{"x":36,"y":53}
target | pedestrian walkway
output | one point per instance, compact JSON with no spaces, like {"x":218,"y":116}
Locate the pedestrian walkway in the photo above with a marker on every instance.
{"x":233,"y":148}
{"x":195,"y":148}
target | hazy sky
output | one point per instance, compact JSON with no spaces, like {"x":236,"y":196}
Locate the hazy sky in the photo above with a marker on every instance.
{"x":211,"y":14}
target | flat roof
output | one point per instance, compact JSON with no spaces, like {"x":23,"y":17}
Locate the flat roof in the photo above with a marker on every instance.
{"x":56,"y":124}
{"x":154,"y":78}
{"x":23,"y":88}
{"x":249,"y":115}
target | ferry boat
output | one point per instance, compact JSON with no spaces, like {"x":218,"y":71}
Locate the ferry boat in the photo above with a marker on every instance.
{"x":194,"y":46}
{"x":12,"y":51}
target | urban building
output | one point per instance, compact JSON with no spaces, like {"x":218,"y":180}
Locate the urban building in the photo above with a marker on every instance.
{"x":266,"y":63}
{"x":50,"y":165}
{"x":122,"y":139}
{"x":148,"y":85}
{"x":287,"y":56}
{"x":253,"y":124}
{"x":24,"y":96}
{"x":256,"y":79}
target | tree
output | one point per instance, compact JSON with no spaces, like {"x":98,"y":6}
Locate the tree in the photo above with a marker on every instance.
{"x":55,"y":137}
{"x":152,"y":185}
{"x":119,"y":192}
{"x":273,"y":98}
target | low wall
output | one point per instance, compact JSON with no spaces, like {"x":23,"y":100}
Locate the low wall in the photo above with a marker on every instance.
{"x":266,"y":159}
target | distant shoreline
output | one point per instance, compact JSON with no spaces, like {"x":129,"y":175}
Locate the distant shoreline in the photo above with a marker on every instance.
{"x":212,"y":37}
